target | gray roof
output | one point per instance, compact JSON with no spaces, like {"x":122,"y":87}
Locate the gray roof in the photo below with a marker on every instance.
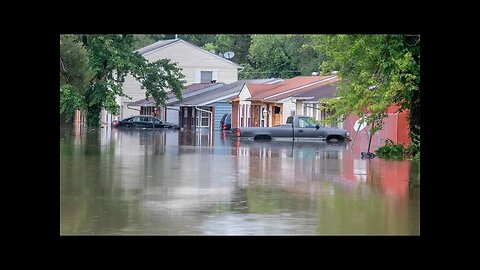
{"x":219,"y":93}
{"x":156,"y":45}
{"x":163,"y":43}
{"x":325,"y":91}
{"x":190,"y":90}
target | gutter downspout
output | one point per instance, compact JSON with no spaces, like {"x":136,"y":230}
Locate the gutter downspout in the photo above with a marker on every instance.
{"x":211,"y":126}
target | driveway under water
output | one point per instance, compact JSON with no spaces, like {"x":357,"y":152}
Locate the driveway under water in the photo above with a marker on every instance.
{"x":144,"y":182}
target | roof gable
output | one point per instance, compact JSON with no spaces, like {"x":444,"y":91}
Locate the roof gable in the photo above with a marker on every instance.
{"x":159,"y":45}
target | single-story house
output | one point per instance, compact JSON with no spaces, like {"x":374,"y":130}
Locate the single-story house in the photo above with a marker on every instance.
{"x":269,"y":105}
{"x":170,"y":113}
{"x":204,"y":109}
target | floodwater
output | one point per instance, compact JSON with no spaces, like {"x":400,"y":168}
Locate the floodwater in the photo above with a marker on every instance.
{"x":144,"y":182}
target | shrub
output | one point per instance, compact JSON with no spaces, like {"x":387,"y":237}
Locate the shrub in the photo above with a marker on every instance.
{"x":391,"y":150}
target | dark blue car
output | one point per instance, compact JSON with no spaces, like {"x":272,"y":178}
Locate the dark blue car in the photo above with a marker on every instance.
{"x":143,"y":121}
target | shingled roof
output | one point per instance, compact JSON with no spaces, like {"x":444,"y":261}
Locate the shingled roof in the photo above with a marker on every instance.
{"x":278,"y":91}
{"x":163,"y":43}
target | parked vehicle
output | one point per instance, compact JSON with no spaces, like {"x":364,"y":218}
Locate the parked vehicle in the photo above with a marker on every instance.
{"x":143,"y":121}
{"x":226,"y":122}
{"x":297,"y":128}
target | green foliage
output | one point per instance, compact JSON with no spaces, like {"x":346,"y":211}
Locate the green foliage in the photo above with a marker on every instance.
{"x":110,"y":59}
{"x":70,"y":100}
{"x":398,"y":151}
{"x":239,"y":44}
{"x":75,"y":74}
{"x":140,"y":41}
{"x":283,"y":56}
{"x":391,"y":150}
{"x":210,"y":47}
{"x":269,"y":56}
{"x":198,"y":39}
{"x":390,"y":63}
{"x":414,"y":147}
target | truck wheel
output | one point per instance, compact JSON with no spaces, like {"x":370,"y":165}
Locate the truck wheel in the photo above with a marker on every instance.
{"x":334,"y":138}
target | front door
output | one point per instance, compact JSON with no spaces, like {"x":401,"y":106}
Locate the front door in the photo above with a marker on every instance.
{"x":277,"y":116}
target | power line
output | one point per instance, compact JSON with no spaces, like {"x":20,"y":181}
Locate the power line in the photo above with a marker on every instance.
{"x":270,"y":71}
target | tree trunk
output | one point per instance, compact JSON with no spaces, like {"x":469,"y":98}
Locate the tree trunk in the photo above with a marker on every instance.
{"x":370,"y":139}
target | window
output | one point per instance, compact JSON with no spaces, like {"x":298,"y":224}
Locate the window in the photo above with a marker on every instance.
{"x":206,"y":76}
{"x":185,"y":114}
{"x":204,"y":119}
{"x":305,"y":122}
{"x":145,"y":119}
{"x":289,"y":120}
{"x":241,"y":115}
{"x":248,"y":116}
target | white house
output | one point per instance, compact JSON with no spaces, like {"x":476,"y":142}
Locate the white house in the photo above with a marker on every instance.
{"x":197,"y":64}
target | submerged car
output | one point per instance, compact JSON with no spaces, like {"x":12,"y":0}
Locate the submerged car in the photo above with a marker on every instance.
{"x":143,"y":121}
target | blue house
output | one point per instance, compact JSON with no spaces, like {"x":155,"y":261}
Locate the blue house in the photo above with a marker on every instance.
{"x":204,"y":109}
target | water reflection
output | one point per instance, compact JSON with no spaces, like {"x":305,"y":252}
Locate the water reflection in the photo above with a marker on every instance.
{"x":175,"y":182}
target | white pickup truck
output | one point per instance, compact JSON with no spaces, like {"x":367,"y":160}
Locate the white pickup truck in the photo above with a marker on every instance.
{"x":297,"y":128}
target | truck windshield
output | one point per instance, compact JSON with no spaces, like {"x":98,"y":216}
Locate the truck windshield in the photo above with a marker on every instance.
{"x":305,"y":122}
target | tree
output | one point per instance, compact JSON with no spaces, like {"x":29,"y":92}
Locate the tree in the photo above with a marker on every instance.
{"x":75,"y":74}
{"x":111,"y":58}
{"x":198,"y":39}
{"x":378,"y":70}
{"x":283,"y":56}
{"x":141,"y":41}
{"x":239,"y":44}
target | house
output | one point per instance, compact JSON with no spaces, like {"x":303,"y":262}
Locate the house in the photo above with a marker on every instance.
{"x":171,"y":113}
{"x":308,"y":102}
{"x":197,"y":64}
{"x":204,"y":109}
{"x":271,"y":104}
{"x":395,"y":125}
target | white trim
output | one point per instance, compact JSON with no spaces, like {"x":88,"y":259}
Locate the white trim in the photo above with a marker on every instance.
{"x":241,"y":90}
{"x":157,"y":49}
{"x":196,"y":47}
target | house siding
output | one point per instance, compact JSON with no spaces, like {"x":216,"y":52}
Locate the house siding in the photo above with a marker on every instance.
{"x":288,"y":106}
{"x":190,"y":59}
{"x":221,"y":108}
{"x":173,"y":114}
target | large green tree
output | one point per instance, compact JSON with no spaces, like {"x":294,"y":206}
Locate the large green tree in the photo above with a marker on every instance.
{"x":141,"y":40}
{"x":378,"y":70}
{"x":111,"y":58}
{"x":283,"y":56}
{"x":239,"y":44}
{"x":75,"y":74}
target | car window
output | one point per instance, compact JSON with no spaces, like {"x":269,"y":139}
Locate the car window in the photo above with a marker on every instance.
{"x":136,"y":119}
{"x":304,"y":122}
{"x":227,"y":118}
{"x":144,"y":119}
{"x":129,"y":119}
